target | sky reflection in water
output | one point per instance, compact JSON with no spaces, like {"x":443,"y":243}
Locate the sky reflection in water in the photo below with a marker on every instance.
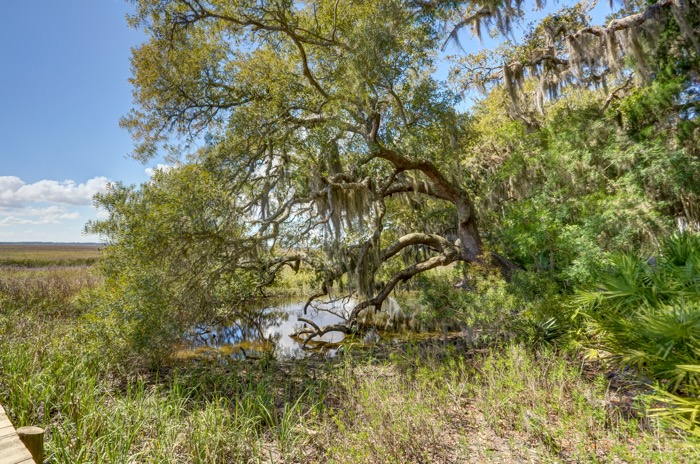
{"x":247,"y":335}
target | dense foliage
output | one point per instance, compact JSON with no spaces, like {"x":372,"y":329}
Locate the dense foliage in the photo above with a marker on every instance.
{"x":402,"y":405}
{"x":644,"y":313}
{"x":313,"y":137}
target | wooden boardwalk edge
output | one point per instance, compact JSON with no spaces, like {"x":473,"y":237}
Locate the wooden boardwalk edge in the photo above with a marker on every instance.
{"x":12,"y":450}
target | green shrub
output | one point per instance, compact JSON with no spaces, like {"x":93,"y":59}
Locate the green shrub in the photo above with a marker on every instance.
{"x":645,"y":313}
{"x":529,"y":307}
{"x":480,"y":303}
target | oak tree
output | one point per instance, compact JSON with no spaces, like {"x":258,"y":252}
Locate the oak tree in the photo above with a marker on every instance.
{"x":325,"y":137}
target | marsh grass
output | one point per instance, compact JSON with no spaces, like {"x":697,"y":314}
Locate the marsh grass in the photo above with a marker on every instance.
{"x":47,"y":255}
{"x":407,"y":402}
{"x":45,"y":292}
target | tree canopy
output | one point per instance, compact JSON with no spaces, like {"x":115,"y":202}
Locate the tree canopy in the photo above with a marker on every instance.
{"x":323,"y":138}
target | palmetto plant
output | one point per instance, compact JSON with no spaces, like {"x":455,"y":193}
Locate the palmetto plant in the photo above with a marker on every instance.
{"x":646,"y":315}
{"x":680,"y":411}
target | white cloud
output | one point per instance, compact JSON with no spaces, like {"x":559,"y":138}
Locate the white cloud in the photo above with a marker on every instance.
{"x":46,"y":210}
{"x":36,"y":216}
{"x":11,"y":220}
{"x":102,"y":214}
{"x":15,"y":193}
{"x":159,"y":167}
{"x":8,"y":186}
{"x":53,"y":223}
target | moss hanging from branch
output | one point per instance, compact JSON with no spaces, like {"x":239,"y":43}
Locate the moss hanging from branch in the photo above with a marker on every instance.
{"x":566,"y":49}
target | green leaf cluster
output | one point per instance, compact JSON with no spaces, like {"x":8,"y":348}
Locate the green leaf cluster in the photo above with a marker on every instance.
{"x":559,"y":197}
{"x":176,"y":256}
{"x":645,"y":314}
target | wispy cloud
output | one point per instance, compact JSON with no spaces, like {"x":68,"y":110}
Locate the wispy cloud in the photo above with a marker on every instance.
{"x":36,"y":216}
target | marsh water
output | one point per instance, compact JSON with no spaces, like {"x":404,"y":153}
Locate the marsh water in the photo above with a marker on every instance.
{"x":276,"y":321}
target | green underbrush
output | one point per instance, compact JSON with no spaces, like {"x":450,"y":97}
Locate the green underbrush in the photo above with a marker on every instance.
{"x":427,"y":401}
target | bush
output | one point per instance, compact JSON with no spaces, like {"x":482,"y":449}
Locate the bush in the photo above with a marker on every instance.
{"x":645,"y":314}
{"x":530,"y":307}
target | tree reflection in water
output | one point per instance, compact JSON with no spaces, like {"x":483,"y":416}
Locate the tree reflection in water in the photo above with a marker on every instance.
{"x":268,"y":330}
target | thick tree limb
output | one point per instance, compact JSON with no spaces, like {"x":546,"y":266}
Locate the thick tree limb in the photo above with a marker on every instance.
{"x":436,"y":242}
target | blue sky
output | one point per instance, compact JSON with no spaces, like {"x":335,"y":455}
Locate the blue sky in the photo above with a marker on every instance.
{"x":63,"y":86}
{"x":64,"y":69}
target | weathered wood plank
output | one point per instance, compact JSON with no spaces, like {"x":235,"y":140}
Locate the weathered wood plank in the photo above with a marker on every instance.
{"x":12,"y":450}
{"x":6,"y":430}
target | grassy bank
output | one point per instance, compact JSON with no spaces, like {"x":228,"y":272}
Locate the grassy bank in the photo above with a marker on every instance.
{"x":399,"y":403}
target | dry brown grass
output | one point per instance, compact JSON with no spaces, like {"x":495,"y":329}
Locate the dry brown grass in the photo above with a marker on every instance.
{"x":44,"y":290}
{"x":506,"y":406}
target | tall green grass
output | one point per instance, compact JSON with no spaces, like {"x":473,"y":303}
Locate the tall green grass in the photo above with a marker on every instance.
{"x":197,"y":413}
{"x":404,"y":403}
{"x":508,"y":404}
